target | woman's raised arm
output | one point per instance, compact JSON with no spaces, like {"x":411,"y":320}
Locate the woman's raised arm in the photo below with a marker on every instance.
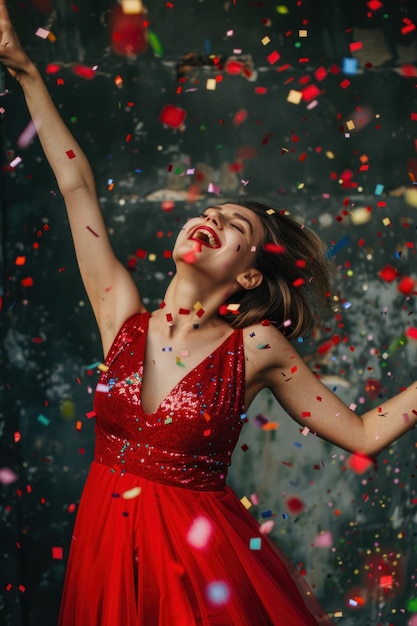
{"x":110,"y":288}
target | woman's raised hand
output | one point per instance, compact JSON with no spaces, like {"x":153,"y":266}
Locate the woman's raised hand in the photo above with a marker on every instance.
{"x":12,"y":54}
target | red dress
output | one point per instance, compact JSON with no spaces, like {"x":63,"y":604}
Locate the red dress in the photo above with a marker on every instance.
{"x":159,"y":539}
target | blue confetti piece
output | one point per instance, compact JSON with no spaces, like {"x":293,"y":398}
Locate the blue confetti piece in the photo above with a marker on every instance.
{"x":285,"y":516}
{"x":265,"y":514}
{"x":338,"y":246}
{"x":379,"y":189}
{"x":255,"y":543}
{"x":297,"y":444}
{"x":43,"y":420}
{"x":350,"y":65}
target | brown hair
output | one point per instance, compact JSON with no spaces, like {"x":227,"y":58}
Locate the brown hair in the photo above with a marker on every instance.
{"x":297,"y":276}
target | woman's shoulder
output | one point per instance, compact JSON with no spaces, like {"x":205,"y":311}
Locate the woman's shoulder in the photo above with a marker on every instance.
{"x":266,"y":346}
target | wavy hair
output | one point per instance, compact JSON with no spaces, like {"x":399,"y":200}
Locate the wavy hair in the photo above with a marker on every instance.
{"x":298,"y":276}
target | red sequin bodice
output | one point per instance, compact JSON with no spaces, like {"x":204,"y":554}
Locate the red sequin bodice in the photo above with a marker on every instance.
{"x":189,"y":439}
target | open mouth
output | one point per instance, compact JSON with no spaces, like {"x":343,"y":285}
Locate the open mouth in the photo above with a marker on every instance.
{"x":205,"y":236}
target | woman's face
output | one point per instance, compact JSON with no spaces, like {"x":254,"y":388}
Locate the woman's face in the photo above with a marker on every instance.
{"x":222,"y":241}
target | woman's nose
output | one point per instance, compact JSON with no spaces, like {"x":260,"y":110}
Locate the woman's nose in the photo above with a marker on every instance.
{"x":213,"y":217}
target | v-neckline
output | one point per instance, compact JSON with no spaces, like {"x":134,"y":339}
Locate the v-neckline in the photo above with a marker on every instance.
{"x":186,"y":375}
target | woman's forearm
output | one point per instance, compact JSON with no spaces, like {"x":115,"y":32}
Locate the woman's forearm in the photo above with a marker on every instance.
{"x":67,"y":160}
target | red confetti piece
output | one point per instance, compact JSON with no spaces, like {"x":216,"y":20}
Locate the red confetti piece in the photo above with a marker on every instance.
{"x":84,"y":71}
{"x":189,"y":257}
{"x":233,"y":67}
{"x":388,"y":273}
{"x":305,"y":414}
{"x":320,"y":73}
{"x":52,"y":68}
{"x":345,"y":83}
{"x":92,"y":231}
{"x":273,"y":57}
{"x":374,"y":5}
{"x":355,"y":45}
{"x":298,"y":282}
{"x":240,"y":117}
{"x":414,"y":117}
{"x":310,"y":92}
{"x":294,"y":505}
{"x":57,"y":552}
{"x":70,"y":154}
{"x":409,"y":71}
{"x":172,"y":116}
{"x":408,"y":28}
{"x":274,"y":248}
{"x":406,"y":285}
{"x":359,"y":463}
{"x":261,"y":90}
{"x":27,"y":282}
{"x":167,"y":254}
{"x":411,"y":332}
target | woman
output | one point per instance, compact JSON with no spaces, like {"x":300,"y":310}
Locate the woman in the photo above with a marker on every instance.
{"x":159,"y":539}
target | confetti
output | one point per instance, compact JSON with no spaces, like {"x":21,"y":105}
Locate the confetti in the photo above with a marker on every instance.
{"x":200,"y":533}
{"x":131,"y":493}
{"x":42,"y":33}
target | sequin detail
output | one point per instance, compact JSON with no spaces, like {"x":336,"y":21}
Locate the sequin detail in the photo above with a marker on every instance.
{"x":189,"y":439}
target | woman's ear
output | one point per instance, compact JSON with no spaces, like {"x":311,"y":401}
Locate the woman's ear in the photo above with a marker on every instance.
{"x":250,"y":279}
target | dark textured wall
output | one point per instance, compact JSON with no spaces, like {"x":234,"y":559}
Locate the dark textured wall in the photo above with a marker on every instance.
{"x":303,"y":157}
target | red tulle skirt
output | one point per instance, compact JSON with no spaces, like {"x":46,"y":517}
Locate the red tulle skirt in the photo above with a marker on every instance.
{"x":149,"y":554}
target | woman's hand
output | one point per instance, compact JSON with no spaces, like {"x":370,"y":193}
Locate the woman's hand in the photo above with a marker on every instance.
{"x":12,"y":54}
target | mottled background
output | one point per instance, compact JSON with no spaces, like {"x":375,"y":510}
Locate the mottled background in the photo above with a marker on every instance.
{"x":320,"y":120}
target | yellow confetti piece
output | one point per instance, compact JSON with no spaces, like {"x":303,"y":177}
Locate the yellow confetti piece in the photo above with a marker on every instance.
{"x":132,"y":7}
{"x":303,"y":32}
{"x":330,"y":155}
{"x":131,"y":493}
{"x":410,"y":197}
{"x":265,"y":41}
{"x":152,"y":257}
{"x":282,"y":9}
{"x":294,"y":97}
{"x":350,"y":125}
{"x":102,"y":367}
{"x":211,"y":84}
{"x":246,"y":502}
{"x":197,"y":306}
{"x":386,"y":221}
{"x":360,"y":215}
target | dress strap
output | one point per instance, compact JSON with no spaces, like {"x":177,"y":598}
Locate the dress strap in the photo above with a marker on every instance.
{"x":129,"y":329}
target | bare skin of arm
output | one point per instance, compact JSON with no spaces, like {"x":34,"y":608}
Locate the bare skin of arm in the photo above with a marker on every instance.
{"x":113,"y":294}
{"x":310,"y":403}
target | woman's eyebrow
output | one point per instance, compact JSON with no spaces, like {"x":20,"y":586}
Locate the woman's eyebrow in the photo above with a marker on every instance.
{"x":238,"y":215}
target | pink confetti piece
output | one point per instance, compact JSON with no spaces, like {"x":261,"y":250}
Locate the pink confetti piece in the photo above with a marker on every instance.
{"x":200,"y":532}
{"x":27,"y":135}
{"x":42,"y":33}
